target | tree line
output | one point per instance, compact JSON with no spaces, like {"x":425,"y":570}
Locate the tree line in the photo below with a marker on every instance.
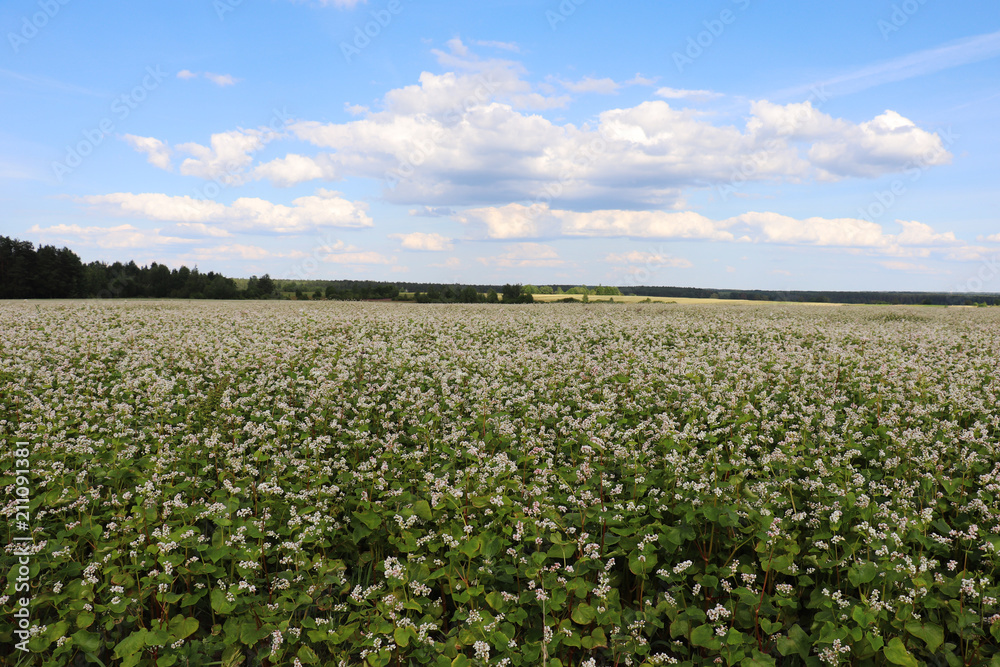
{"x":58,"y":273}
{"x":47,"y":272}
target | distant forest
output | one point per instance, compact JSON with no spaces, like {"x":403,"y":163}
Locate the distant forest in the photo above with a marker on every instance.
{"x":48,"y":272}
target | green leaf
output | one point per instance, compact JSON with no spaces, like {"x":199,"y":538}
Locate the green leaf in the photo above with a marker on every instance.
{"x":307,"y":655}
{"x":797,"y":642}
{"x":85,"y":619}
{"x":132,"y":644}
{"x":584,"y":614}
{"x":422,"y":508}
{"x":182,"y":626}
{"x":862,"y":574}
{"x":219,"y":602}
{"x":88,"y":642}
{"x":896,"y":653}
{"x":704,"y":635}
{"x":472,"y":547}
{"x":562,"y":550}
{"x":403,"y":636}
{"x":932,"y":635}
{"x":641,"y":564}
{"x":460,"y":661}
{"x":758,"y":659}
{"x":369,"y":518}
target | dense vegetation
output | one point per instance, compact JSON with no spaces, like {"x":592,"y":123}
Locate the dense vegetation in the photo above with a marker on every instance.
{"x":277,"y":483}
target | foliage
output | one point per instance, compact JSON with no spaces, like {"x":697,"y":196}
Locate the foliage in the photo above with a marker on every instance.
{"x":515,"y":294}
{"x":381,"y":484}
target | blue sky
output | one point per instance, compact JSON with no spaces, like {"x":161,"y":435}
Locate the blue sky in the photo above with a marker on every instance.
{"x":736,"y":143}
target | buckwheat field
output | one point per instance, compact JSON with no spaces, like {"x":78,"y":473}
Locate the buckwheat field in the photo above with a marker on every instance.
{"x":279,"y":483}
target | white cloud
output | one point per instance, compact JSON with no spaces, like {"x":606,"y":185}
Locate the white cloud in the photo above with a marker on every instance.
{"x":994,"y":238}
{"x":646,"y":154}
{"x":324,"y":209}
{"x":456,"y":46}
{"x":640,"y":80}
{"x":293,"y":168}
{"x":525,"y":255}
{"x":519,"y":221}
{"x":222,"y":80}
{"x":422,"y":241}
{"x":470,"y":136}
{"x":120,"y":236}
{"x":157,"y":153}
{"x":201,"y":229}
{"x":916,"y":239}
{"x":683,"y":94}
{"x":918,"y":233}
{"x":843,"y":232}
{"x":227,"y":156}
{"x":972,"y":253}
{"x":879,"y":146}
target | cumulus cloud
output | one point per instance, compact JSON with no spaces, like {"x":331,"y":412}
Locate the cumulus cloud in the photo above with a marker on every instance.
{"x":879,"y":146}
{"x":227,"y":155}
{"x":293,"y":168}
{"x":915,"y":239}
{"x":422,"y":241}
{"x":157,"y":153}
{"x":471,"y":136}
{"x":519,"y":221}
{"x":451,"y":141}
{"x":324,"y":209}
